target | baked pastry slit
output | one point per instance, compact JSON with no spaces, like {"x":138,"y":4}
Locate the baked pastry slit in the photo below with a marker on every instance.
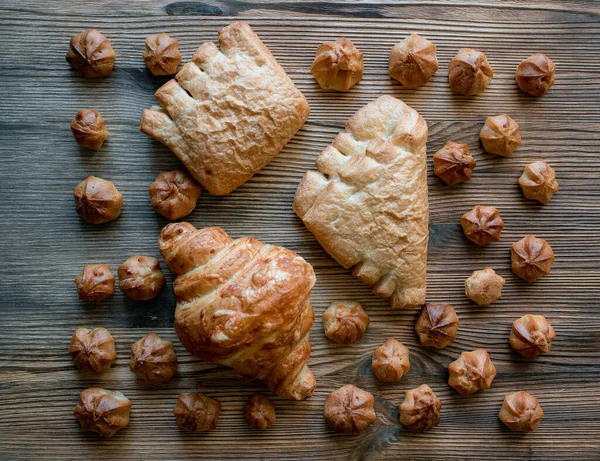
{"x":227,"y":113}
{"x":367,"y":203}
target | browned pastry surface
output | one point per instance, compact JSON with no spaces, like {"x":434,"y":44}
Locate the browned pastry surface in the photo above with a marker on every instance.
{"x":97,"y":200}
{"x":413,"y":61}
{"x":228,"y":112}
{"x":91,"y":53}
{"x":471,"y":372}
{"x":243,"y":304}
{"x":93,"y":350}
{"x":95,"y":282}
{"x":102,"y":411}
{"x":535,"y":75}
{"x":174,"y":194}
{"x":338,"y":65}
{"x":162,"y":54}
{"x":531,"y":335}
{"x":500,"y":135}
{"x":469,"y":72}
{"x":195,"y":412}
{"x":89,"y":129}
{"x":420,"y":409}
{"x":140,"y":277}
{"x":437,"y":325}
{"x":454,"y":163}
{"x":532,"y":258}
{"x":484,"y":287}
{"x":367,"y":205}
{"x":345,"y":321}
{"x":349,"y":409}
{"x":153,"y":359}
{"x":521,"y":412}
{"x":538,"y":182}
{"x":259,"y":412}
{"x":482,"y":225}
{"x":391,"y":361}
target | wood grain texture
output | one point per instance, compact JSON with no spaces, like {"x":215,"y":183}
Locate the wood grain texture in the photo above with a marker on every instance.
{"x":44,"y":243}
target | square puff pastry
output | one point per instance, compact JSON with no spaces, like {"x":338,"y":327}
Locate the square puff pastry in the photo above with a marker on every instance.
{"x":367,"y":205}
{"x":229,"y":112}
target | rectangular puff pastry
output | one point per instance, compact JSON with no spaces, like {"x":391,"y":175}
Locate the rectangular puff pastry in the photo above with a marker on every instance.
{"x":367,"y":205}
{"x":228,"y":112}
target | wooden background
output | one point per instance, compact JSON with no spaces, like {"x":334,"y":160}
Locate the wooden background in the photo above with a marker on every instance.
{"x":44,"y":244}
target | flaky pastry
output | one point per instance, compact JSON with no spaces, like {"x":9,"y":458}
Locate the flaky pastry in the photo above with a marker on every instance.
{"x":227,"y":113}
{"x":244,"y":304}
{"x":367,"y":205}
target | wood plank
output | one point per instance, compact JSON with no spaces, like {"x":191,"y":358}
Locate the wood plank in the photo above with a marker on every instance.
{"x":527,"y":11}
{"x":45,"y":244}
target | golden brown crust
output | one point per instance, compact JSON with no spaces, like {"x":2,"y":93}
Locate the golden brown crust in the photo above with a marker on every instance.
{"x":367,"y":205}
{"x":349,"y":409}
{"x":500,"y":135}
{"x":97,"y":200}
{"x":338,"y":65}
{"x":89,"y":129}
{"x":174,"y":194}
{"x":95,"y":283}
{"x":531,"y":335}
{"x":243,"y":304}
{"x":420,"y":409}
{"x":453,"y":163}
{"x":195,"y":412}
{"x":140,"y":277}
{"x":413,"y":61}
{"x":390,"y":361}
{"x":482,"y":225}
{"x":93,"y":350}
{"x":471,"y":372}
{"x":91,"y":53}
{"x":469,"y":72}
{"x":259,"y":412}
{"x":153,"y":359}
{"x":437,"y":325}
{"x":521,"y":412}
{"x":538,"y":182}
{"x":102,"y":411}
{"x":345,"y":321}
{"x":162,"y":54}
{"x":532,"y":258}
{"x":229,"y":112}
{"x":484,"y":287}
{"x":535,"y":75}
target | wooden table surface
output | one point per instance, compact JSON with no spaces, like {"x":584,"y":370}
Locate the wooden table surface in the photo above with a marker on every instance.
{"x":44,"y":244}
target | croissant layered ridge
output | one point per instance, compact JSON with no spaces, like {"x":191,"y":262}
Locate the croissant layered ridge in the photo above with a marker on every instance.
{"x":244,"y":304}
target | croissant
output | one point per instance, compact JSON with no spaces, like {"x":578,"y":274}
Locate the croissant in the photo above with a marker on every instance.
{"x":244,"y":304}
